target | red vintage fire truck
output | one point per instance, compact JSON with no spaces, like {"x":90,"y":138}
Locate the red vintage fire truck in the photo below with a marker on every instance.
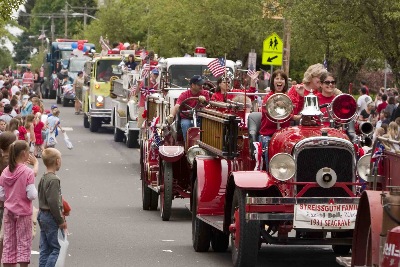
{"x":376,"y":240}
{"x":166,"y":161}
{"x":308,"y":196}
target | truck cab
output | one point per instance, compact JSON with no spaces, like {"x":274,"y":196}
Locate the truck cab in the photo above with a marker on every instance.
{"x":59,"y":54}
{"x":96,"y":102}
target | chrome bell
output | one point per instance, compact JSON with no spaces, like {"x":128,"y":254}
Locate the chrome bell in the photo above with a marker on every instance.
{"x":311,"y":106}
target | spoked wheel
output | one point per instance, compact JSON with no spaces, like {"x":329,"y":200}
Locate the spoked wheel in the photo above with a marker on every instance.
{"x":201,"y":232}
{"x":166,"y":183}
{"x":219,"y":240}
{"x":149,"y":197}
{"x":245,"y":235}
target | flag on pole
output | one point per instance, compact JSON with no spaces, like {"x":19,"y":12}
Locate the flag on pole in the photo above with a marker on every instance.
{"x":104,"y":45}
{"x":146,"y":71}
{"x":42,"y":36}
{"x":252,"y":74}
{"x":217,"y":67}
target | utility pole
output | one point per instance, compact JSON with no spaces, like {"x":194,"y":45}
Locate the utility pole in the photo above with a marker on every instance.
{"x":66,"y":19}
{"x":52,"y":28}
{"x":43,"y":35}
{"x":286,"y":49}
{"x":84,"y":18}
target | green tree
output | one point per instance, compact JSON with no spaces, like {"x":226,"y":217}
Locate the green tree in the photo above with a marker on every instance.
{"x":7,"y":7}
{"x":5,"y":58}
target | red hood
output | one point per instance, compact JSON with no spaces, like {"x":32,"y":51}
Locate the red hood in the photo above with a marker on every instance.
{"x":284,"y":140}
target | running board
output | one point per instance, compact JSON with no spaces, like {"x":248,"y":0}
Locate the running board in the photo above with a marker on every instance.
{"x":216,"y":221}
{"x":344,"y":261}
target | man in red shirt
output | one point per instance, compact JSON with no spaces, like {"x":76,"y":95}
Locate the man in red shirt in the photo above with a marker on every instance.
{"x":195,"y":90}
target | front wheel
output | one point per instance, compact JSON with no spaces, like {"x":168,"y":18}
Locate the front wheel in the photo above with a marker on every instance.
{"x":95,"y":124}
{"x":118,"y":134}
{"x":86,"y":123}
{"x":201,"y":232}
{"x":219,"y":240}
{"x":166,"y":193}
{"x":246,"y":236}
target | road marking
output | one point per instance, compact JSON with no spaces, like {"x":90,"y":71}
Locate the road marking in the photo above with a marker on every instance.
{"x":167,"y":250}
{"x":68,"y":129}
{"x":33,"y":252}
{"x":168,"y":240}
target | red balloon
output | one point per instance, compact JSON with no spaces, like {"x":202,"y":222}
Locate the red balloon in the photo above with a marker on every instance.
{"x":80,"y":46}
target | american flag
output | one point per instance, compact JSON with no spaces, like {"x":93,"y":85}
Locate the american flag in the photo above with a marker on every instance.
{"x":143,"y":54}
{"x":103,"y":44}
{"x":145,"y":71}
{"x":217,"y":67}
{"x":267,"y":75}
{"x":253,"y":74}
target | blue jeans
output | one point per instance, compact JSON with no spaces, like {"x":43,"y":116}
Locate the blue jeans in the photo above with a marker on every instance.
{"x":186,"y":124}
{"x":264,"y":140}
{"x":49,"y":246}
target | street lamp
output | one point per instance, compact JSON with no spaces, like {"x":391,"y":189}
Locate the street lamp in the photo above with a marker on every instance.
{"x":84,"y":15}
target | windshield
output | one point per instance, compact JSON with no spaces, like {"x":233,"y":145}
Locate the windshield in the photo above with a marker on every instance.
{"x":76,"y":65}
{"x":181,"y":74}
{"x":105,"y":69}
{"x":66,"y":54}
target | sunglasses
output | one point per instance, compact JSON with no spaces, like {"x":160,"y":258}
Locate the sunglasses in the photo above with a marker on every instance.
{"x":329,"y":82}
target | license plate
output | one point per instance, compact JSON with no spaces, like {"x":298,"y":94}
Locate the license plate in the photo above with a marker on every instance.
{"x":325,"y":216}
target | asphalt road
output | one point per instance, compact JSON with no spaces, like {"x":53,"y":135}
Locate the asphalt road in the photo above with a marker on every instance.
{"x":100,"y":179}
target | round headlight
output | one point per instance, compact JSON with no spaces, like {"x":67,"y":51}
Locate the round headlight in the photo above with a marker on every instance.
{"x":282,"y":166}
{"x":279,"y":107}
{"x":363,"y":169}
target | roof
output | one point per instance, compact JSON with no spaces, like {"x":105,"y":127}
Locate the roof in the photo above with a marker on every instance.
{"x":195,"y":61}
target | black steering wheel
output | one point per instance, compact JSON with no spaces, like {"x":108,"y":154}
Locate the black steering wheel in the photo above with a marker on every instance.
{"x":186,"y":110}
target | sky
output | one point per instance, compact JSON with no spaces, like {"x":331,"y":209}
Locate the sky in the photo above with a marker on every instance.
{"x":13,"y":30}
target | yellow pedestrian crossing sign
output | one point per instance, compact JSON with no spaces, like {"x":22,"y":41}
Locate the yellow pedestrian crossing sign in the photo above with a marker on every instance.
{"x":272,"y":50}
{"x":273,"y":43}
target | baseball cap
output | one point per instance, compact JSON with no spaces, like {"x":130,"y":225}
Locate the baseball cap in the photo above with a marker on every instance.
{"x":197,"y":79}
{"x":53,"y":107}
{"x":155,"y":71}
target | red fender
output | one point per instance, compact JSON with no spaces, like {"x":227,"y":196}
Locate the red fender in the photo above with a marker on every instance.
{"x":366,"y":238}
{"x":171,"y":153}
{"x":252,"y":179}
{"x":212,"y":175}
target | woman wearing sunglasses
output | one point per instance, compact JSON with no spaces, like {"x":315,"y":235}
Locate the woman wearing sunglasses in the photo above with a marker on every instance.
{"x":327,"y":94}
{"x":220,"y":95}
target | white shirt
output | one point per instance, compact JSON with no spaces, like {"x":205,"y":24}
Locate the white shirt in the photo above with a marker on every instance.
{"x":14,"y":89}
{"x":362,"y":102}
